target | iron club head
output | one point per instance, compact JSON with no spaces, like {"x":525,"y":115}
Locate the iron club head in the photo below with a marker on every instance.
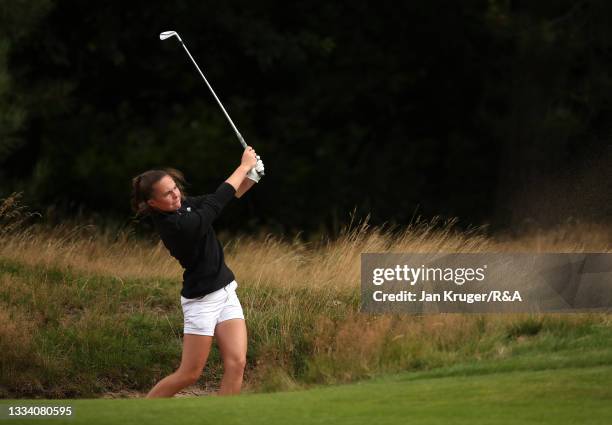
{"x":167,"y":34}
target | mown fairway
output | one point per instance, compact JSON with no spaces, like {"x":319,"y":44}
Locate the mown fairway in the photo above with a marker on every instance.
{"x":551,"y":396}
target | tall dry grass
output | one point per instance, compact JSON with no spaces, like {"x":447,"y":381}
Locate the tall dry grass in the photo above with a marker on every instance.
{"x":81,"y":284}
{"x":327,"y":263}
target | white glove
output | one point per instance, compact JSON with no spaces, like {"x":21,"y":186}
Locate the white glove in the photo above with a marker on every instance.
{"x":259,"y":166}
{"x":257,"y":171}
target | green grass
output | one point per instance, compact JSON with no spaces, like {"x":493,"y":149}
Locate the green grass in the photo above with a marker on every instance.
{"x":76,"y":330}
{"x":553,"y":396}
{"x":568,"y":385}
{"x":70,"y":336}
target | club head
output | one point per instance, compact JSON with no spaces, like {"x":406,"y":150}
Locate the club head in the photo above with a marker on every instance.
{"x":167,"y":34}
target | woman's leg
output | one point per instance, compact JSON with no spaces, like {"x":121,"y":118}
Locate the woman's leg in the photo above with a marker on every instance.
{"x":231,"y":337}
{"x":195,"y":353}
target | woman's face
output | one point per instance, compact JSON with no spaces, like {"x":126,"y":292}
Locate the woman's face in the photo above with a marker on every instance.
{"x":166,"y":195}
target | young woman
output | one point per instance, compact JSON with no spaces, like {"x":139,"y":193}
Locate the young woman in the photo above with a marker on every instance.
{"x":208,"y":297}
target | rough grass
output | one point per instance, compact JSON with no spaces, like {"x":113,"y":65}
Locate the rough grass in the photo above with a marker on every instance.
{"x":86,"y":310}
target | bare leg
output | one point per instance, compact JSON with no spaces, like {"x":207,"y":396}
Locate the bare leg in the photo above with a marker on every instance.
{"x":195,"y":353}
{"x":232,"y":340}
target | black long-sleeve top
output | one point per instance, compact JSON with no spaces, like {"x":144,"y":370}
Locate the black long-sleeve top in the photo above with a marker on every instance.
{"x":188,"y":235}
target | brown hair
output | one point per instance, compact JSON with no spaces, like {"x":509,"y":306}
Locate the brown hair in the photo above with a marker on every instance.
{"x":142,"y":187}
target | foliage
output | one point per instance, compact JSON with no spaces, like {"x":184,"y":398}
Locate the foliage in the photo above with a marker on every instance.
{"x":486,"y":110}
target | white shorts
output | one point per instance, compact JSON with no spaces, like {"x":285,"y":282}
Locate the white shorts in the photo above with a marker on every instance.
{"x":202,"y":314}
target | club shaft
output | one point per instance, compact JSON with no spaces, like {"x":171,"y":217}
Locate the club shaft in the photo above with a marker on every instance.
{"x":240,"y":138}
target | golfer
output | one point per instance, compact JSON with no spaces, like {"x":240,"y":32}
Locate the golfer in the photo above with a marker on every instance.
{"x":208,"y":297}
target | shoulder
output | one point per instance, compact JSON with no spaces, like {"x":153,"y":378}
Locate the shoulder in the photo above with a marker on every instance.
{"x":163,"y":219}
{"x":194,"y":199}
{"x":161,"y":215}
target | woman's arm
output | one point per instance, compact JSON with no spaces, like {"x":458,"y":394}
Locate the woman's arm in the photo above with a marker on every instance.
{"x":197,"y":221}
{"x":244,"y":187}
{"x":248,"y":161}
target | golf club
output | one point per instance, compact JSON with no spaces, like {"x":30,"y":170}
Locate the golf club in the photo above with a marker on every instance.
{"x":167,"y":34}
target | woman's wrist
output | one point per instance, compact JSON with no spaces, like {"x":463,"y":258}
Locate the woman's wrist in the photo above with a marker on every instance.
{"x":244,"y":168}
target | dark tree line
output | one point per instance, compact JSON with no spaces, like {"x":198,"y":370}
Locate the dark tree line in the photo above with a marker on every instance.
{"x":492,"y":111}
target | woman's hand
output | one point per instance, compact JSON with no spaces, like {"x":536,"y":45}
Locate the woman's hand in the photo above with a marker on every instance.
{"x":249,"y":158}
{"x":247,"y":163}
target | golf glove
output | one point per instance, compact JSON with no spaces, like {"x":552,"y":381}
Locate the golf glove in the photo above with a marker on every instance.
{"x":259,"y":166}
{"x":257,"y":172}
